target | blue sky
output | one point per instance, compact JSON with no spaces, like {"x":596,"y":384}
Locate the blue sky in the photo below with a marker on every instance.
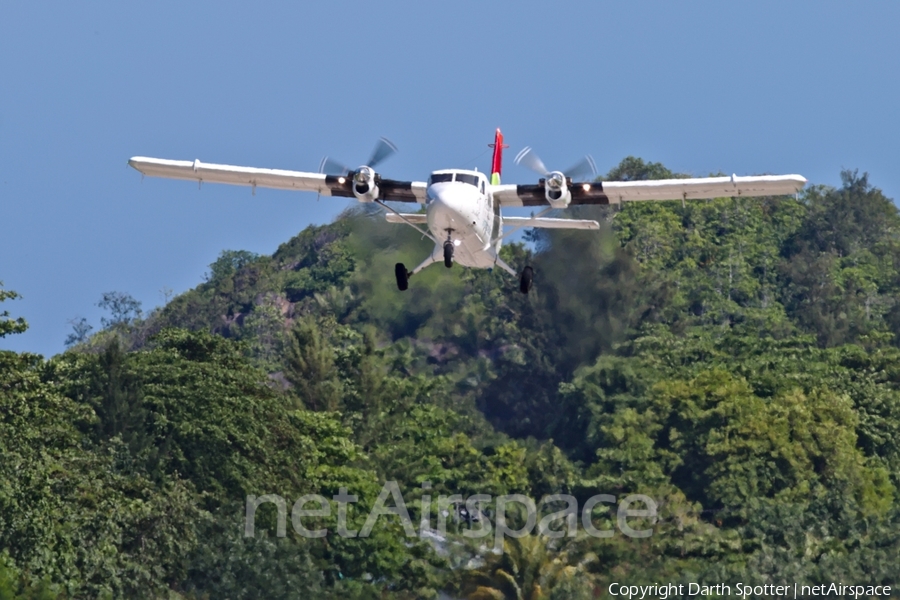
{"x":762,"y":87}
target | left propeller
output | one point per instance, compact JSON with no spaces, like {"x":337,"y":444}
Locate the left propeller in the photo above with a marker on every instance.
{"x":384,"y":148}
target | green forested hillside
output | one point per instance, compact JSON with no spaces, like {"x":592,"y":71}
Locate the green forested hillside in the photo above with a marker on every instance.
{"x":737,"y":360}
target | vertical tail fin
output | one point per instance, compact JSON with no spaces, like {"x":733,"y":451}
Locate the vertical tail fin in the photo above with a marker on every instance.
{"x":497,"y":160}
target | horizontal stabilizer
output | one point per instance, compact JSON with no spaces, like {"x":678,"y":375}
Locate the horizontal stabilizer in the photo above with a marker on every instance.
{"x":414,"y":218}
{"x":548,"y":223}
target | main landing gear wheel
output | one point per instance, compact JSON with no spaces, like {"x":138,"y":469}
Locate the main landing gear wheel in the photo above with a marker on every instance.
{"x":448,"y":254}
{"x":402,"y":276}
{"x":526,"y":280}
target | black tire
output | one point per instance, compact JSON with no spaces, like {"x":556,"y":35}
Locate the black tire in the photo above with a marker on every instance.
{"x":448,"y":254}
{"x":402,"y":276}
{"x":526,"y":280}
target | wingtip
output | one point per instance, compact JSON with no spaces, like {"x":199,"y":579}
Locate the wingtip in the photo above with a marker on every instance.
{"x":800,"y":180}
{"x":139,"y":163}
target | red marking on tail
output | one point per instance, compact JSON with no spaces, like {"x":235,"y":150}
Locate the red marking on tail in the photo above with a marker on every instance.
{"x":497,"y":160}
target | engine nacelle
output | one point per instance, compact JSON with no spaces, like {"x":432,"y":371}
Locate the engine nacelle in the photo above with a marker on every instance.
{"x":365,"y":184}
{"x":556,"y":190}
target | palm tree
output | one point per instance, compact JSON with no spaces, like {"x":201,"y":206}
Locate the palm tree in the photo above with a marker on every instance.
{"x":528,"y":569}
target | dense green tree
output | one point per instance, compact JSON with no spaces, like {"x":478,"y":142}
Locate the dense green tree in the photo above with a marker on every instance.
{"x":230,"y":565}
{"x":636,"y":169}
{"x":229,"y":263}
{"x":840,"y":266}
{"x":14,"y":586}
{"x":310,"y":367}
{"x":75,"y":515}
{"x":735,"y":359}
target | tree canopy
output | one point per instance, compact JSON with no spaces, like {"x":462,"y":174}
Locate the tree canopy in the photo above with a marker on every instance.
{"x":736,"y":360}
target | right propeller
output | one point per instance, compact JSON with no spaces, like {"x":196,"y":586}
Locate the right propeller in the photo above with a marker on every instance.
{"x":556,"y":183}
{"x":529,"y":159}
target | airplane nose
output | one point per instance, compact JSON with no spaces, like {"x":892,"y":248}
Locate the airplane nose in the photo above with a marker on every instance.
{"x":448,"y":208}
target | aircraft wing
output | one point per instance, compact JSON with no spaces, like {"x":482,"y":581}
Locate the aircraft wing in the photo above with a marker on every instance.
{"x":326,"y":185}
{"x":616,"y":192}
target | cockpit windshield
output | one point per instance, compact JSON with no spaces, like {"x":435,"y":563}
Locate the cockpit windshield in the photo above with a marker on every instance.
{"x":466,"y":178}
{"x":460,"y":177}
{"x":440,"y":178}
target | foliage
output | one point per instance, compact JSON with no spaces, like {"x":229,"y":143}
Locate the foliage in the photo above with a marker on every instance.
{"x":81,"y":329}
{"x":75,"y":515}
{"x":529,"y":569}
{"x":123,"y":309}
{"x":7,"y":325}
{"x":635,"y":169}
{"x":734,"y":359}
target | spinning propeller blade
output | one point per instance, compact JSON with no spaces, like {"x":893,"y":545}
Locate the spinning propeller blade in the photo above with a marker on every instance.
{"x":529,"y":159}
{"x":384,"y":148}
{"x":585,"y":166}
{"x":329,"y":166}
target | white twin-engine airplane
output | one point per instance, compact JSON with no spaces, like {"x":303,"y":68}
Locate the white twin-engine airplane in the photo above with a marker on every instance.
{"x":462,"y":208}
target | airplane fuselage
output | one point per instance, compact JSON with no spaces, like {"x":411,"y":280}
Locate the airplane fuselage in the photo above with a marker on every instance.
{"x":460,"y":209}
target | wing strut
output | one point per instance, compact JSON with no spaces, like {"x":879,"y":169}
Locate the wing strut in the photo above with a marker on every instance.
{"x":405,"y":220}
{"x":502,"y":264}
{"x":428,"y":261}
